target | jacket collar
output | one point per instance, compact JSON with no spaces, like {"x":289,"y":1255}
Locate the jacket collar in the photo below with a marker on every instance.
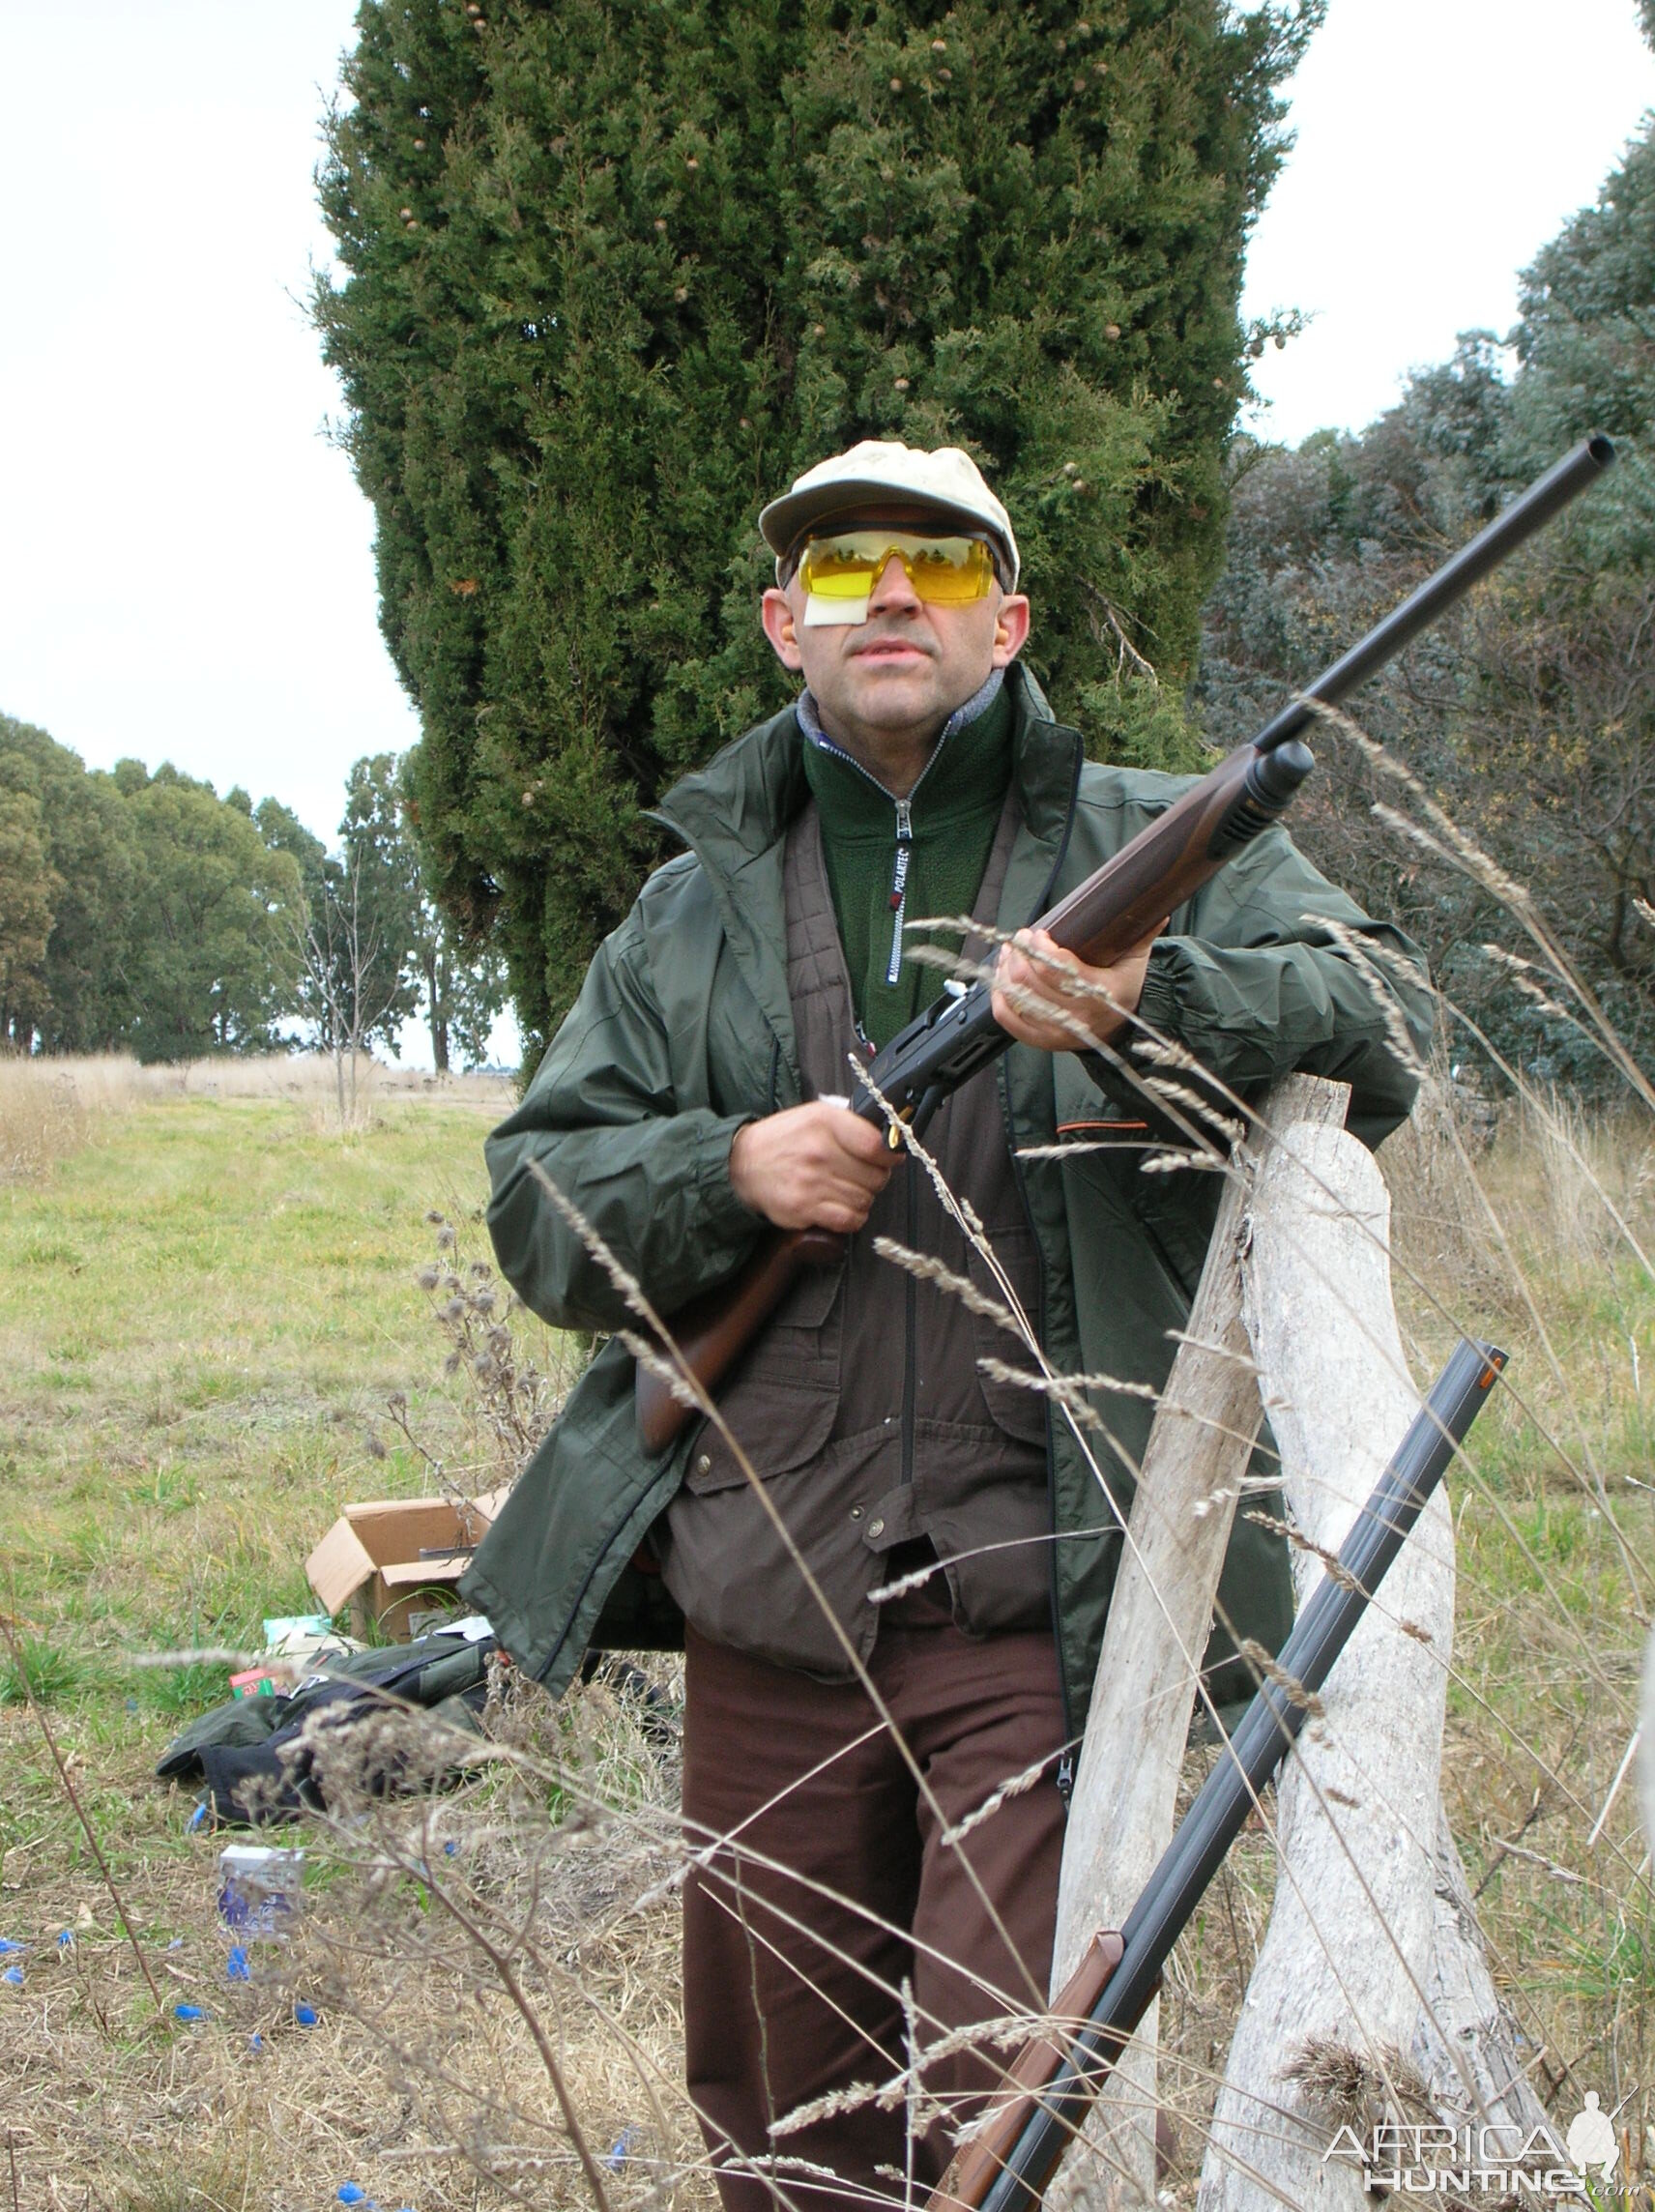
{"x":735,"y":813}
{"x":743,"y":801}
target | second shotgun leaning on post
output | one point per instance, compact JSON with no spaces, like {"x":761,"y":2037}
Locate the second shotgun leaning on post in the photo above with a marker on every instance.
{"x":1182,"y":849}
{"x":1010,"y":2163}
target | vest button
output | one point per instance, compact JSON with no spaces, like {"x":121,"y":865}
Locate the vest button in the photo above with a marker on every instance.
{"x":876,"y":1527}
{"x":704,"y":1465}
{"x":856,"y":1513}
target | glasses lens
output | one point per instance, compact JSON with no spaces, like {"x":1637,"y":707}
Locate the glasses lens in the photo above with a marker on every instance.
{"x":945,"y":571}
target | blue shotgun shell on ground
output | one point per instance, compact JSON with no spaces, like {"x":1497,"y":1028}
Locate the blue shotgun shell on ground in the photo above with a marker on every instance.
{"x":308,"y":2017}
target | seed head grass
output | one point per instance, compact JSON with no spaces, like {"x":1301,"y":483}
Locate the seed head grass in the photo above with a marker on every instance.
{"x":219,"y":1321}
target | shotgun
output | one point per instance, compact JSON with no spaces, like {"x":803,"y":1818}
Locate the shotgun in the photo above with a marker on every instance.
{"x":1122,"y":902}
{"x":1047,"y":2093}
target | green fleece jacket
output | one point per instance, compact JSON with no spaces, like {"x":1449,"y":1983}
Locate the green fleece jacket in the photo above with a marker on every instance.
{"x":683,"y":1031}
{"x":890,"y":860}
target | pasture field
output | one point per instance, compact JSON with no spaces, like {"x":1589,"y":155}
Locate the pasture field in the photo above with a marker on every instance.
{"x":208,"y":1302}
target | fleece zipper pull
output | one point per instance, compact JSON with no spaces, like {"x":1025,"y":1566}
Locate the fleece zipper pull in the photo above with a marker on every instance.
{"x":899,"y":885}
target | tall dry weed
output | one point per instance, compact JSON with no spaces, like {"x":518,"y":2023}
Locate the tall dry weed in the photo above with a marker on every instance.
{"x":51,"y":1107}
{"x":42,"y":1118}
{"x":506,"y":1374}
{"x":1439,"y":1221}
{"x":1596,"y":1173}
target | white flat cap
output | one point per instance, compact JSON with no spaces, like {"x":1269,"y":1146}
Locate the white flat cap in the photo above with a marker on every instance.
{"x":901,"y":482}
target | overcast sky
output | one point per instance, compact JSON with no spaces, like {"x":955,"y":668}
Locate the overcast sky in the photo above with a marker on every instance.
{"x":185,"y":566}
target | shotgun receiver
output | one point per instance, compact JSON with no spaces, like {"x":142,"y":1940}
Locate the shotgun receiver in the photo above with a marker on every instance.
{"x":1008,"y":2165}
{"x":1129,"y":896}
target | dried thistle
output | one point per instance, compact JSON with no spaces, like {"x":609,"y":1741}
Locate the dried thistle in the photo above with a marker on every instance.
{"x":509,"y":1398}
{"x":1344,"y":2090}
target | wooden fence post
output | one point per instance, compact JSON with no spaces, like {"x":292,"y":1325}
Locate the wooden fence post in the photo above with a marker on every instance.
{"x":1126,"y":1784}
{"x":1373,"y":1941}
{"x":1346,"y":1956}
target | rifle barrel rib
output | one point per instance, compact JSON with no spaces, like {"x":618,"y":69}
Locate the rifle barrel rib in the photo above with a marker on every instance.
{"x":1532,"y":510}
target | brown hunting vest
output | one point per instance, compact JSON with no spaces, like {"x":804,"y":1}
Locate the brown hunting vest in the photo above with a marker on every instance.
{"x":862,"y":1406}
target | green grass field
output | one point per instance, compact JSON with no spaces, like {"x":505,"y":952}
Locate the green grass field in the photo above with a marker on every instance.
{"x":204,"y":1313}
{"x":202,"y":1319}
{"x":202,"y":1316}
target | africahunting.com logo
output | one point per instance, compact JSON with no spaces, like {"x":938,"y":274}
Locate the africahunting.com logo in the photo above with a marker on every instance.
{"x":1528,"y":2164}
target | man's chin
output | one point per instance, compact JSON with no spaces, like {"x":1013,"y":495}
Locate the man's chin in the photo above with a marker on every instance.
{"x":898,"y":698}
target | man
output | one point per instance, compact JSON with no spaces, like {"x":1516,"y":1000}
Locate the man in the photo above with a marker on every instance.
{"x":841,"y":1926}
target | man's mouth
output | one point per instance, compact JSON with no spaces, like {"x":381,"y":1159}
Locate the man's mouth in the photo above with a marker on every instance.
{"x":890,"y":649}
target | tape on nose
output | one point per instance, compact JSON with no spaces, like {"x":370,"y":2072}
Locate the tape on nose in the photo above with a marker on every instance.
{"x":834,"y":614}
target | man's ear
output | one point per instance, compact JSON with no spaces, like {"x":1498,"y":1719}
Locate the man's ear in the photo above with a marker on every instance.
{"x":776,"y":612}
{"x":1011,"y":629}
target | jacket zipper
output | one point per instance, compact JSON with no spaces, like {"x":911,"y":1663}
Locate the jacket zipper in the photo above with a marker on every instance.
{"x":911,"y":1345}
{"x":899,"y":885}
{"x":901,"y":864}
{"x":903,"y":858}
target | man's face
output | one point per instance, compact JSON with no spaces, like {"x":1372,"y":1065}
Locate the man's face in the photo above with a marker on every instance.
{"x":898,"y":676}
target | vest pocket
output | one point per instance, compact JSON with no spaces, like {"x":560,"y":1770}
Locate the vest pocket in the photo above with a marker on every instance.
{"x":1019,"y":1412}
{"x":781,"y":1402}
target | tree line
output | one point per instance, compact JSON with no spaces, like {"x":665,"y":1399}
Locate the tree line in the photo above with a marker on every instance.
{"x":146,"y":914}
{"x":1529,"y":715}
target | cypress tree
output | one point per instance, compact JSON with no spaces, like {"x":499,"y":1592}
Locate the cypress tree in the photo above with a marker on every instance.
{"x":615,"y":269}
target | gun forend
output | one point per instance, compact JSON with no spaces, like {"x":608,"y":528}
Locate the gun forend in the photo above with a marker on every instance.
{"x":1169,"y":861}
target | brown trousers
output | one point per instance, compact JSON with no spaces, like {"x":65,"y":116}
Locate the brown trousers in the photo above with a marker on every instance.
{"x":790,"y":1993}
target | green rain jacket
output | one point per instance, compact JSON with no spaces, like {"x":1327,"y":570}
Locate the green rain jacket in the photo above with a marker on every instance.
{"x":682,"y":1032}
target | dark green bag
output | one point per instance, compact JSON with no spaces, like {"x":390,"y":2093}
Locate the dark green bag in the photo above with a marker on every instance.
{"x":256,"y":1739}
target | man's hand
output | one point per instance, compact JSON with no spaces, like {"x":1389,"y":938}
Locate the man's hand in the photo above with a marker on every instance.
{"x":1079,"y":1015}
{"x":812,"y":1167}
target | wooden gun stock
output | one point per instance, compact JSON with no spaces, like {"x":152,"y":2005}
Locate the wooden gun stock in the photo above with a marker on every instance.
{"x":974,"y":2171}
{"x":713,"y":1329}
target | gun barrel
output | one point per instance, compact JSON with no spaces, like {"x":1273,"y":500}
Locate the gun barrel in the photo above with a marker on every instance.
{"x":1264,"y":1735}
{"x":1529,"y":511}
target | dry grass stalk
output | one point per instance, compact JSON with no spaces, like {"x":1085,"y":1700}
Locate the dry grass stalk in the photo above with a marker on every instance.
{"x":51,"y":1108}
{"x":567,"y":1851}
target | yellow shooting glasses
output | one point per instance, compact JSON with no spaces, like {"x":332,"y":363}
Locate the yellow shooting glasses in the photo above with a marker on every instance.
{"x":945,"y":571}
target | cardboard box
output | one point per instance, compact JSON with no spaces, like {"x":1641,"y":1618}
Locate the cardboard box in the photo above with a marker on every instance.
{"x":397,"y":1556}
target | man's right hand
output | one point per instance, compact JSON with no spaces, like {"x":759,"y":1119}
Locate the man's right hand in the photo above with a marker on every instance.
{"x":812,"y":1167}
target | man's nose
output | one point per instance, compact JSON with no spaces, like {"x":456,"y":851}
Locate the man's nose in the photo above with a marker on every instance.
{"x":894,"y":588}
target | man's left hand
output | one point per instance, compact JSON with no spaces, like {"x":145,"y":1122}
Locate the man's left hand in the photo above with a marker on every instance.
{"x":1079,"y":996}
